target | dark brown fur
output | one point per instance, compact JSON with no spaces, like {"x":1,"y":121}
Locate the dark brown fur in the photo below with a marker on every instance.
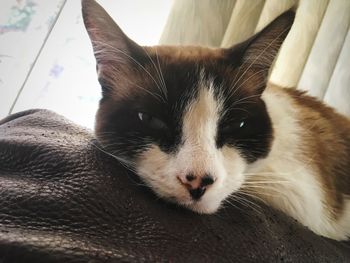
{"x":327,"y":140}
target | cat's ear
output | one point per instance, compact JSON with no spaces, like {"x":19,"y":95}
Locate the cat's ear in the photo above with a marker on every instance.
{"x":256,"y":54}
{"x":112,"y":48}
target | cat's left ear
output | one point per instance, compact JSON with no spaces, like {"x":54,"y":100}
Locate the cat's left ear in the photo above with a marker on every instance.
{"x":114,"y":51}
{"x":256,"y":55}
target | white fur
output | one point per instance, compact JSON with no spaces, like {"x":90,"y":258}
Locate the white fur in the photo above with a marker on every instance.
{"x":198,"y":155}
{"x":296,"y":190}
{"x":284,"y":179}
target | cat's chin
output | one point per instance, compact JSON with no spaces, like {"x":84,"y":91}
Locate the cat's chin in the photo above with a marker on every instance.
{"x":203,"y":207}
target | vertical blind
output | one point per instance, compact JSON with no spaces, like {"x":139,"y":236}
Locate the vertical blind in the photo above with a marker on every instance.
{"x":314,"y":57}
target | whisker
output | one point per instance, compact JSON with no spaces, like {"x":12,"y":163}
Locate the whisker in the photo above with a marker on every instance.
{"x":261,"y":53}
{"x":128,"y":56}
{"x":252,"y":195}
{"x":157,"y":69}
{"x":241,"y":84}
{"x":244,"y":201}
{"x":161,"y":74}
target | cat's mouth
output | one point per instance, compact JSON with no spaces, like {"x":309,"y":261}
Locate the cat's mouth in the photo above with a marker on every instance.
{"x":197,"y":200}
{"x":201,"y":205}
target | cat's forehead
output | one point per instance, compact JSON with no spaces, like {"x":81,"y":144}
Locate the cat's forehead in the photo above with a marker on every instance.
{"x":190,"y":66}
{"x":170,"y":78}
{"x":186,"y":65}
{"x":185,"y":53}
{"x":183,"y":70}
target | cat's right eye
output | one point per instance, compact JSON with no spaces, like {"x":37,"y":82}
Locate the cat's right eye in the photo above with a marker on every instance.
{"x":151,"y":122}
{"x":235,"y":126}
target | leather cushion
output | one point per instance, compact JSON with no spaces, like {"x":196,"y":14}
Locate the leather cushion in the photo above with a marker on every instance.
{"x":63,"y":200}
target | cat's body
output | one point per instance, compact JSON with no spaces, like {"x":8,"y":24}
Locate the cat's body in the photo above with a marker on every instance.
{"x":200,"y":126}
{"x":309,"y":162}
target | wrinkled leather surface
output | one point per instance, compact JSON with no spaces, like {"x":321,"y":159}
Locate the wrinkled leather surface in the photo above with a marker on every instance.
{"x":62,"y":200}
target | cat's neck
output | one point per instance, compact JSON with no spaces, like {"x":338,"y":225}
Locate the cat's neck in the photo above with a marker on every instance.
{"x":293,"y":177}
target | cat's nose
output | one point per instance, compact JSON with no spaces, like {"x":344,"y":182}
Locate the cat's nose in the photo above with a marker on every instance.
{"x":194,"y":181}
{"x":196,"y":185}
{"x":207,"y":180}
{"x":197,"y":193}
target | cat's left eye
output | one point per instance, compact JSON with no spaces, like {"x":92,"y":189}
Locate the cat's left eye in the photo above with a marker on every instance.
{"x":152,"y":122}
{"x":232,"y":127}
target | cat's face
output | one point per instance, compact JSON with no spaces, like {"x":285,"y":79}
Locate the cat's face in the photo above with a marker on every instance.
{"x":187,"y":120}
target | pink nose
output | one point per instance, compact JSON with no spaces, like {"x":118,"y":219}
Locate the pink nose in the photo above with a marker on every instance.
{"x":196,"y":185}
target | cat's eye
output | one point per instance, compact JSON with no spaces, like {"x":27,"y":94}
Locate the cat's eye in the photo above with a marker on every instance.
{"x":152,"y":122}
{"x":235,"y":126}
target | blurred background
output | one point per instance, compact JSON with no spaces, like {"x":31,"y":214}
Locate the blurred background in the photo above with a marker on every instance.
{"x":46,"y":59}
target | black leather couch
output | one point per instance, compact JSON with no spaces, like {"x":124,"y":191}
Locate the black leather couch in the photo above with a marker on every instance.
{"x":63,"y":200}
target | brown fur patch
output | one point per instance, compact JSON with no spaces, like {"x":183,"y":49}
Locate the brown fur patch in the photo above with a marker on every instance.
{"x":176,"y":53}
{"x":327,"y":141}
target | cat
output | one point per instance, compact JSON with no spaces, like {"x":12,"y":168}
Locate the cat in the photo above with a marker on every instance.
{"x":201,"y":125}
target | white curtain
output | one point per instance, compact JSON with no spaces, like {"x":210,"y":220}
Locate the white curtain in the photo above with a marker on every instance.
{"x":315,"y":56}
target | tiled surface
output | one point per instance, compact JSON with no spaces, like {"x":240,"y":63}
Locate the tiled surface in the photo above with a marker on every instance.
{"x":24,"y":26}
{"x":63,"y":77}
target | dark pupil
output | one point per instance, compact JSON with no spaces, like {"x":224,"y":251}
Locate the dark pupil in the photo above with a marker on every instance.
{"x":152,"y":121}
{"x":234,"y":126}
{"x":147,"y":118}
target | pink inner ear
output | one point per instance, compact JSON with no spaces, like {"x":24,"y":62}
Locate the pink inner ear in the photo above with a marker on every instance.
{"x":262,"y":47}
{"x":256,"y":55}
{"x":116,"y":55}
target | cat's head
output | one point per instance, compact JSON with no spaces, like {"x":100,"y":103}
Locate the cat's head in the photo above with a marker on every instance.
{"x":187,"y":120}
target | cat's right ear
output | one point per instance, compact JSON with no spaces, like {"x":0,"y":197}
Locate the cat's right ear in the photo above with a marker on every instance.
{"x":114,"y":51}
{"x":256,"y":55}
